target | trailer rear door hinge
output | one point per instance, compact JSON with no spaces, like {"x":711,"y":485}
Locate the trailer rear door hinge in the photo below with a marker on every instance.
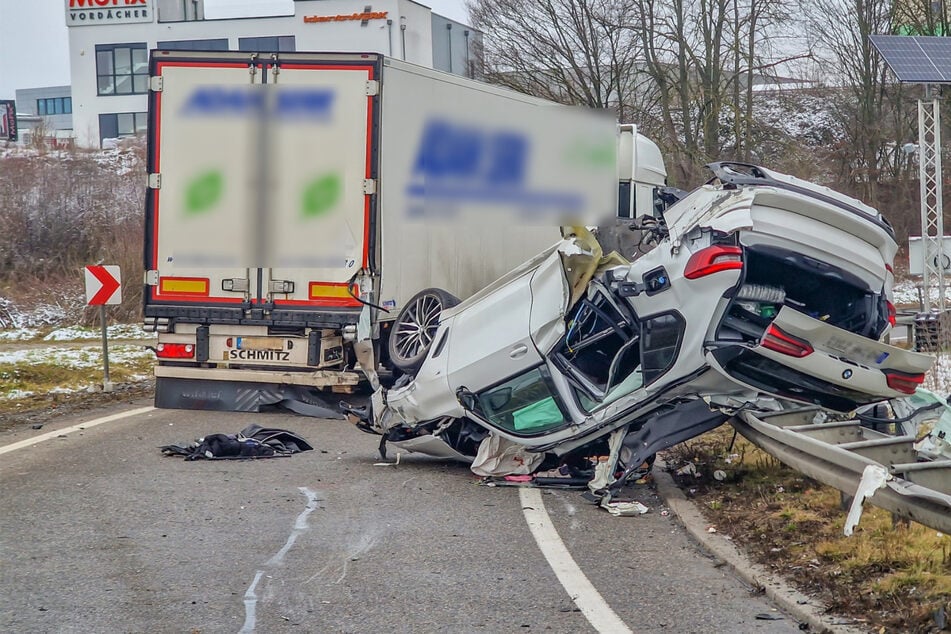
{"x":369,"y":186}
{"x":155,"y":181}
{"x":156,"y":83}
{"x":151,"y":278}
{"x":373,"y":88}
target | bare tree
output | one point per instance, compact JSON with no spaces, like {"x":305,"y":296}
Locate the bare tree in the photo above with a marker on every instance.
{"x":922,"y":17}
{"x":872,"y":109}
{"x":704,"y":57}
{"x":580,"y":52}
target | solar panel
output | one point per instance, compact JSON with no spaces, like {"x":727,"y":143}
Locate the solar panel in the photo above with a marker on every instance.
{"x":920,"y":59}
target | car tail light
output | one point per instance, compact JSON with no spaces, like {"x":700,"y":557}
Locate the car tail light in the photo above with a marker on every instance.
{"x":888,"y":267}
{"x":892,"y":313}
{"x":784,"y":343}
{"x":903,"y":382}
{"x":713,"y":260}
{"x":175,"y":350}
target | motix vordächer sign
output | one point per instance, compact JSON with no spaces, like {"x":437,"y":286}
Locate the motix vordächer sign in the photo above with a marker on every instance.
{"x":91,"y":12}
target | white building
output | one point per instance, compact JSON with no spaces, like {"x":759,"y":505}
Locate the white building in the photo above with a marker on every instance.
{"x":47,"y":111}
{"x":109,"y":43}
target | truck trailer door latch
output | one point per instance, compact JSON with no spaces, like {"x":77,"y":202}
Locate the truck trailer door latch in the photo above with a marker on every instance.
{"x":154,"y":181}
{"x":369,"y":186}
{"x":156,"y":83}
{"x":373,"y":88}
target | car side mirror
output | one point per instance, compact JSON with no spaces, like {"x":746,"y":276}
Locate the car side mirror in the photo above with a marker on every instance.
{"x":466,"y":398}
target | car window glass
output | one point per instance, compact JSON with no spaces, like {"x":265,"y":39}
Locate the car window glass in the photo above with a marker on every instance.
{"x":660,"y":342}
{"x":525,"y":404}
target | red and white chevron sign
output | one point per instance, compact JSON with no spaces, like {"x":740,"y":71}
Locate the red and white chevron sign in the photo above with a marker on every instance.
{"x":103,"y":285}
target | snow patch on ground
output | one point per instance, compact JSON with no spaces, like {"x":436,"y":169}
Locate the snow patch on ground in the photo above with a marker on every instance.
{"x":78,"y":358}
{"x":19,"y":334}
{"x":117,"y":331}
{"x":938,"y":379}
{"x":14,"y":394}
{"x":906,"y":294}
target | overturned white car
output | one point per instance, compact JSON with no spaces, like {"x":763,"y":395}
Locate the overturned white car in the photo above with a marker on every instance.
{"x":759,"y":285}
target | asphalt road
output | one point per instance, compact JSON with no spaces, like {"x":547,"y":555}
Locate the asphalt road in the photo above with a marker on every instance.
{"x":99,"y":532}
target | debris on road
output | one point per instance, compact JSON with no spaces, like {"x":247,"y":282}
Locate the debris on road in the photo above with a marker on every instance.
{"x":251,"y":442}
{"x":625,"y":509}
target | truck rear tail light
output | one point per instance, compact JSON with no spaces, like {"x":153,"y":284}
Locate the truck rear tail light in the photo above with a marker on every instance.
{"x":712,"y":260}
{"x":892,"y":313}
{"x":784,"y":343}
{"x":175,"y":350}
{"x":902,"y":381}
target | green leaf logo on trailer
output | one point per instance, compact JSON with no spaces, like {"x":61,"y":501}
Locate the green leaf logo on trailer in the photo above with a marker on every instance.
{"x":321,"y":196}
{"x":204,"y":192}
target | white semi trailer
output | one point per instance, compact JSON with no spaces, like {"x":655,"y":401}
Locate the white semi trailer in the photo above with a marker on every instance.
{"x":297,"y":201}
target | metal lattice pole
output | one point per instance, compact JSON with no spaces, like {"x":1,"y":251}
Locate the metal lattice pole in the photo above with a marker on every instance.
{"x":932,"y":212}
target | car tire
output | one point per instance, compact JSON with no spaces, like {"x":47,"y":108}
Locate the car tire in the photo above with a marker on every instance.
{"x":415,"y":327}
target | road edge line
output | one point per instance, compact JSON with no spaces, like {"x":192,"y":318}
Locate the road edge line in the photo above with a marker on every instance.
{"x":592,"y":605}
{"x":29,"y":442}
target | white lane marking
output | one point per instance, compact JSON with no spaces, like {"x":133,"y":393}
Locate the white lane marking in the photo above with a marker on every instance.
{"x":300,"y":527}
{"x":29,"y":442}
{"x":250,"y":605}
{"x":575,"y":583}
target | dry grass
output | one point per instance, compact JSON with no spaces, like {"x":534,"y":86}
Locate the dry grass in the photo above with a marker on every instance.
{"x":892,"y":575}
{"x":60,"y":212}
{"x":43,"y":377}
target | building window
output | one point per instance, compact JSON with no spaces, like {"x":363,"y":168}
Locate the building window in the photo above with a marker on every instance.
{"x":179,"y":11}
{"x":54,"y":105}
{"x":122,"y":69}
{"x":220,"y":44}
{"x":275,"y":44}
{"x":119,"y":124}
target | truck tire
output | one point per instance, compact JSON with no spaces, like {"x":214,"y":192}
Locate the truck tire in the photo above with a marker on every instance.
{"x":415,"y":326}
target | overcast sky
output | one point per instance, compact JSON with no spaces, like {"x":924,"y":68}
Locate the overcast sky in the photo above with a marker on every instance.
{"x":34,"y":49}
{"x":34,"y":45}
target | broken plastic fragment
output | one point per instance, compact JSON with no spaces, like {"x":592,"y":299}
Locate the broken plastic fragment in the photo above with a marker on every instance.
{"x":873,"y":478}
{"x":387,"y":464}
{"x":687,"y":469}
{"x":625,"y":509}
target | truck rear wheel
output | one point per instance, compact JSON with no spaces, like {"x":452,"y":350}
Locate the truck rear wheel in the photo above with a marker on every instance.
{"x":415,"y":327}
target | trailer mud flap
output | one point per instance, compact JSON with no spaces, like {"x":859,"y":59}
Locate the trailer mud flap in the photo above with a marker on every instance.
{"x":241,"y":396}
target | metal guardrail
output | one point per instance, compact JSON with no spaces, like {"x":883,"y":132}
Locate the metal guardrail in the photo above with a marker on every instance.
{"x":861,"y":462}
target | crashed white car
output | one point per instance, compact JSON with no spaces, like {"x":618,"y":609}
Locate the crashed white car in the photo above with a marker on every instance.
{"x":761,"y":288}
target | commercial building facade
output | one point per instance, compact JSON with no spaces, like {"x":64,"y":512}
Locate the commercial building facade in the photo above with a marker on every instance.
{"x":46,"y":111}
{"x":109,"y":43}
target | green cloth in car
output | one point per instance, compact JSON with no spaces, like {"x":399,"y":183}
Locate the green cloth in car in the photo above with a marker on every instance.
{"x":544,"y":413}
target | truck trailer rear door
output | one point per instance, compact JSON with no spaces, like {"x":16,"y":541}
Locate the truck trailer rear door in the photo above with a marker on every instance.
{"x":318,"y":222}
{"x":202,"y":136}
{"x":261,"y":175}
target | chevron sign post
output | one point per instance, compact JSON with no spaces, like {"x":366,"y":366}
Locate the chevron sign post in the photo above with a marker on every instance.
{"x":103,"y":286}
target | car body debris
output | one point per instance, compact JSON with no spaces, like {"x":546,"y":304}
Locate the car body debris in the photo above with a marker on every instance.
{"x":625,"y":509}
